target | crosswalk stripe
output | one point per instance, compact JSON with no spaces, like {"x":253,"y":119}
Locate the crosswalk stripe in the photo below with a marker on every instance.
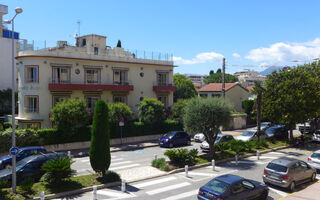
{"x":183,"y":195}
{"x":199,"y":174}
{"x":123,"y":167}
{"x":249,"y":162}
{"x":168,"y":188}
{"x":141,"y":185}
{"x":120,"y":163}
{"x":112,"y":194}
{"x":117,"y":159}
{"x":113,"y":156}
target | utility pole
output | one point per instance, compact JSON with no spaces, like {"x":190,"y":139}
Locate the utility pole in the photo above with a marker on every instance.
{"x":223,"y":81}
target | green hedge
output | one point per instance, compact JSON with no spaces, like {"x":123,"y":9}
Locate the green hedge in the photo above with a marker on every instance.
{"x":31,"y":137}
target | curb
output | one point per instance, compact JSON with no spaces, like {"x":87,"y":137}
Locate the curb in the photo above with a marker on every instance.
{"x":88,"y":189}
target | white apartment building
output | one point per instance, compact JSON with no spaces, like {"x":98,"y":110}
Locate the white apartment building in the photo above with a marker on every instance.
{"x":196,"y":78}
{"x":247,"y":77}
{"x":89,"y":71}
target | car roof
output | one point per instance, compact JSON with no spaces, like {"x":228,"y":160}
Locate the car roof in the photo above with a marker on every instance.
{"x":285,"y":161}
{"x":229,"y":178}
{"x":318,"y":151}
{"x":31,"y":148}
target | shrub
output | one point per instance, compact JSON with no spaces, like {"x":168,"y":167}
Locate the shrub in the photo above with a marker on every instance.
{"x":151,"y":111}
{"x":3,"y":183}
{"x":262,"y":143}
{"x":26,"y":184}
{"x":69,"y":115}
{"x":1,"y":127}
{"x":178,"y":108}
{"x":120,"y":110}
{"x":237,"y":146}
{"x":110,"y":176}
{"x":181,"y":157}
{"x":100,"y":139}
{"x":222,"y":146}
{"x":57,"y":169}
{"x":250,"y":145}
{"x":158,"y":162}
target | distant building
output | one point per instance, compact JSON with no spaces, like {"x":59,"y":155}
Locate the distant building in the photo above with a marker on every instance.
{"x":195,"y":78}
{"x":88,"y":71}
{"x":235,"y":92}
{"x":247,"y":77}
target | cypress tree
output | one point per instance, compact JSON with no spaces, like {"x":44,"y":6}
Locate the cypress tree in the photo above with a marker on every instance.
{"x":100,"y":139}
{"x":119,"y":43}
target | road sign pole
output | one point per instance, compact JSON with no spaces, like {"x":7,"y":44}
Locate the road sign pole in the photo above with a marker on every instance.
{"x":121,"y":134}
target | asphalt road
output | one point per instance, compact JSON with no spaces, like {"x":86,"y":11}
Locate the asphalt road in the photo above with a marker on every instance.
{"x":178,"y":186}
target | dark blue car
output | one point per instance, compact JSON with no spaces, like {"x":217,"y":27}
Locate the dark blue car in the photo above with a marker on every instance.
{"x":232,"y":187}
{"x":5,"y":161}
{"x":175,"y":138}
{"x":30,"y":167}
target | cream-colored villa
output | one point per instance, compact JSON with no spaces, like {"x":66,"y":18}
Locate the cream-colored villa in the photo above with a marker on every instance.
{"x":90,"y":70}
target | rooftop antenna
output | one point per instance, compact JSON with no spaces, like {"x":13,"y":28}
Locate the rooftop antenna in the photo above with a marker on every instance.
{"x":78,"y":22}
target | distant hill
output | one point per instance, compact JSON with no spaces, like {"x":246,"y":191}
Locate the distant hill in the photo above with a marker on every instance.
{"x":269,"y":70}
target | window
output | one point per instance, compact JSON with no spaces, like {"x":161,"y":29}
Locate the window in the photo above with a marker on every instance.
{"x":238,"y":187}
{"x":58,"y":99}
{"x":121,"y":99}
{"x":84,"y":42}
{"x":164,"y":100}
{"x":120,"y":77}
{"x":96,"y":51}
{"x":204,"y":95}
{"x":31,"y":104}
{"x":162,"y":79}
{"x":92,"y":76}
{"x":31,"y":125}
{"x":91,"y":103}
{"x":61,"y":75}
{"x":31,"y":74}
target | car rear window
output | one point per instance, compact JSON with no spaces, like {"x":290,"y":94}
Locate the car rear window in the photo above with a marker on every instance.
{"x":315,"y":155}
{"x":276,"y":167}
{"x":217,"y":186}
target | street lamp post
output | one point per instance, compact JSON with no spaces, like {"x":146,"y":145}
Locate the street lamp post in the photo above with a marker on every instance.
{"x":13,"y":135}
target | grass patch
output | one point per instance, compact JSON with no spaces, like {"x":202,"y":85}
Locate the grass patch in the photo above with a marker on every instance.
{"x":68,"y":184}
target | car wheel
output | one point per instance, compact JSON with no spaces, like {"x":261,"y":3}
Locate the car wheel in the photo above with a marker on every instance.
{"x":7,"y":166}
{"x":292,"y":186}
{"x":313,"y":177}
{"x":264,"y":195}
{"x":170,"y":145}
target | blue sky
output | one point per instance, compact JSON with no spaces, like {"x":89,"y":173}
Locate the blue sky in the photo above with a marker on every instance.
{"x":251,"y":34}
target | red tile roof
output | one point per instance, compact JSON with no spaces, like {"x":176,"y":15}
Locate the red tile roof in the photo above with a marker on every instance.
{"x":217,"y":87}
{"x":250,"y":87}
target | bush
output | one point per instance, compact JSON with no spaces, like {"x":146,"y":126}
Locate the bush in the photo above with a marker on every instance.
{"x":250,"y":145}
{"x":237,"y":146}
{"x":3,"y":183}
{"x":158,"y":162}
{"x":262,"y":143}
{"x":178,"y":108}
{"x":26,"y":184}
{"x":151,"y":111}
{"x":57,"y":170}
{"x":120,"y":110}
{"x":181,"y":157}
{"x":7,"y":125}
{"x":110,"y":176}
{"x":222,"y":146}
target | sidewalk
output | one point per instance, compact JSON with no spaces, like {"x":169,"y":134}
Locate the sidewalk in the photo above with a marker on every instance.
{"x":310,"y":193}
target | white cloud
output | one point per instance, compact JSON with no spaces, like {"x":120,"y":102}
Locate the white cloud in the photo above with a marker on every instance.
{"x":205,"y":57}
{"x":236,"y":55}
{"x":264,"y":65}
{"x":286,"y":52}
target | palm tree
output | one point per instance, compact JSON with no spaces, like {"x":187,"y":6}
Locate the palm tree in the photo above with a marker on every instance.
{"x":258,"y":90}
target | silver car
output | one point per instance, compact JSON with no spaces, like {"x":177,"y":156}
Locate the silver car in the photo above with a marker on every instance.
{"x":314,"y":160}
{"x":288,"y":172}
{"x":316,"y":136}
{"x":251,"y":135}
{"x":220,"y":138}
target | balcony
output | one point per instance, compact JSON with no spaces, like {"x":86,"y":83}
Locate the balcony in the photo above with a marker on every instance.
{"x":59,"y":85}
{"x":163,"y":87}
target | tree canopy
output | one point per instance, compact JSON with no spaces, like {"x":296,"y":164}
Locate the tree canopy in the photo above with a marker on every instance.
{"x":120,"y":110}
{"x":185,"y":88}
{"x":293,"y":96}
{"x":151,"y":111}
{"x":207,"y":115}
{"x":119,"y":43}
{"x":217,"y":78}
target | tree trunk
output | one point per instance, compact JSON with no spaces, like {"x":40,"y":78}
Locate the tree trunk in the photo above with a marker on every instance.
{"x":258,"y":115}
{"x":211,"y":151}
{"x":291,"y":134}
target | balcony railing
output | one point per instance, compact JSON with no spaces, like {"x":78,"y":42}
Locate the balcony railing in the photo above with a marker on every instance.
{"x":98,"y":82}
{"x":163,"y":86}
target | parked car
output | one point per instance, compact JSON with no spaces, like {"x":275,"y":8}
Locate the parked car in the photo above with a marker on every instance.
{"x":5,"y":161}
{"x":251,"y":135}
{"x":265,"y":125}
{"x":314,"y":160}
{"x":30,"y":166}
{"x":277,"y":131}
{"x":220,"y":138}
{"x":232,"y":187}
{"x":316,"y":136}
{"x":175,"y":138}
{"x":199,"y":137}
{"x":288,"y":172}
{"x":305,"y":128}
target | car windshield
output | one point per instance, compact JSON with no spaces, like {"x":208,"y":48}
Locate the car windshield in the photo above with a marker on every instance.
{"x":169,"y":135}
{"x":264,"y":125}
{"x":217,"y":186}
{"x":22,"y":163}
{"x":248,"y":133}
{"x":276,"y":167}
{"x":316,"y":155}
{"x":270,"y":130}
{"x":218,"y":138}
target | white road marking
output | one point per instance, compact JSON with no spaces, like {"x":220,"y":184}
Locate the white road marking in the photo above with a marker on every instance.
{"x":141,"y":185}
{"x":199,"y":174}
{"x":183,"y":195}
{"x":215,"y":168}
{"x":278,"y":192}
{"x":123,"y":167}
{"x":117,"y":159}
{"x":120,"y":163}
{"x":168,"y":188}
{"x":113,"y":194}
{"x":249,"y":162}
{"x":262,"y":157}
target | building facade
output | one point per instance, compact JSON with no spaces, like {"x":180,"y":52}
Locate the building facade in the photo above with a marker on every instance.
{"x":89,"y":71}
{"x":247,"y":77}
{"x":234,"y":92}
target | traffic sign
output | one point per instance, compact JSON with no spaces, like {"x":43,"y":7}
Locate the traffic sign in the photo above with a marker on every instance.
{"x":121,"y":119}
{"x":14,"y":151}
{"x":121,"y":123}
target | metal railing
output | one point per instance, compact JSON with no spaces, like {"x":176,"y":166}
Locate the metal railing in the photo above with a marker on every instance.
{"x":99,"y":82}
{"x":162,"y":84}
